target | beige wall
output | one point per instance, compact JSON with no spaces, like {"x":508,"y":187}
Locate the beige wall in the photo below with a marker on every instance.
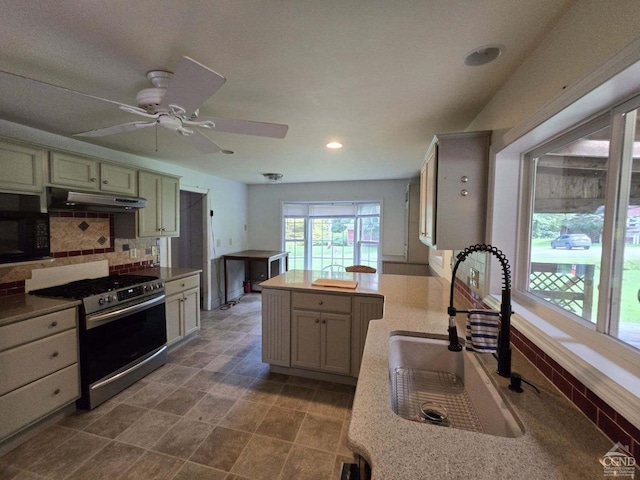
{"x":590,"y":32}
{"x":586,"y":36}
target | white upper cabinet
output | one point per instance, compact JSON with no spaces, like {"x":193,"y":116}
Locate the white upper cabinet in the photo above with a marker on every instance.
{"x":161,"y":215}
{"x":21,"y":167}
{"x":118,"y":179}
{"x":90,"y":174}
{"x":453,"y":191}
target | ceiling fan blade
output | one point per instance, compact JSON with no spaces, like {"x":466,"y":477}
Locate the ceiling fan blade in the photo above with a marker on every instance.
{"x":202,"y":143}
{"x":125,"y":127}
{"x":245,"y":127}
{"x":68,"y":90}
{"x":191,"y":85}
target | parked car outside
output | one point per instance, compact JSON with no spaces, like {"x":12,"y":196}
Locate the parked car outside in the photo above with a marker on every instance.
{"x":572,"y":240}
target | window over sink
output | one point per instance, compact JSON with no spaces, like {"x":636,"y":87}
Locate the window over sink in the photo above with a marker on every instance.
{"x":583,"y":212}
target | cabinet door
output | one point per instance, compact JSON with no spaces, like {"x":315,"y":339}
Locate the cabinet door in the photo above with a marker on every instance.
{"x":118,"y":179}
{"x":170,"y":206}
{"x":21,"y":167}
{"x":305,"y":339}
{"x":173,"y":307}
{"x":335,"y":343}
{"x":149,"y":217}
{"x":430,"y":206}
{"x":365,"y":309}
{"x":276,"y":327}
{"x":422,"y":227}
{"x":161,"y":216}
{"x":191,"y":310}
{"x":72,"y":170}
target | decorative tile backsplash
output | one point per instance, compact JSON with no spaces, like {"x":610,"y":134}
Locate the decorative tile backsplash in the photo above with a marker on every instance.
{"x":78,"y":237}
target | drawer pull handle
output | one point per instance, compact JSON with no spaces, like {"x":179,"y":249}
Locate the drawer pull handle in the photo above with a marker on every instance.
{"x":56,"y":391}
{"x":54,"y":324}
{"x":317,"y":320}
{"x":54,"y":354}
{"x":320,"y":302}
{"x":324,"y":321}
{"x":183,"y":284}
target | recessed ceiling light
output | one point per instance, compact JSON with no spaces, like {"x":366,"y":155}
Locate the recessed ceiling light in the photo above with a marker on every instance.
{"x":483,"y":55}
{"x":334,"y":145}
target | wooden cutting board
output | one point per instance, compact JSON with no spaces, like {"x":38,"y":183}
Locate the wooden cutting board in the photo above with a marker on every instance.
{"x":330,"y":282}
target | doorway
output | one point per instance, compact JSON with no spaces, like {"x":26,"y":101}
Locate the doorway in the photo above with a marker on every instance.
{"x":190,"y":249}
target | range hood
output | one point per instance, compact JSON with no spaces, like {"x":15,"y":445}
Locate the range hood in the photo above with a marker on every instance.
{"x":64,"y":199}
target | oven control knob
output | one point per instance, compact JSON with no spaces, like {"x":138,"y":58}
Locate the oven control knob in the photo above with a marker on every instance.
{"x":113,"y":298}
{"x":101,"y":301}
{"x":147,"y":288}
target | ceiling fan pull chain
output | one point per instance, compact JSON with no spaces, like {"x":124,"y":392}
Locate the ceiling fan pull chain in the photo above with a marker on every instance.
{"x":157,"y":135}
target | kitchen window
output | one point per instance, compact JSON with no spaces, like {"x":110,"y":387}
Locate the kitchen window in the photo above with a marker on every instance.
{"x":331,"y":236}
{"x":583,"y":211}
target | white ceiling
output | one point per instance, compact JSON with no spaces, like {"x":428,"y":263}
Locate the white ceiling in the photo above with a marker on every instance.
{"x":380,"y":76}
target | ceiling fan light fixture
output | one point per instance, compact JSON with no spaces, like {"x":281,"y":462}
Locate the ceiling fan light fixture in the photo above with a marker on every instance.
{"x":272,"y":177}
{"x":483,"y":55}
{"x":334,"y":145}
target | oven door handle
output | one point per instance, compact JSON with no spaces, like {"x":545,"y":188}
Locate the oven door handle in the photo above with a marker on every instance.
{"x":102,"y":318}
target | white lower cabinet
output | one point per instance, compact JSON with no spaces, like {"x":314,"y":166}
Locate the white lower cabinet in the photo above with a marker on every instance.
{"x":323,"y":332}
{"x":38,"y":369}
{"x":182,"y":307}
{"x":321,"y":341}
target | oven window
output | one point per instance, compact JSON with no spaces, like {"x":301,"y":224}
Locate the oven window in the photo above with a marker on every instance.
{"x":112,"y":346}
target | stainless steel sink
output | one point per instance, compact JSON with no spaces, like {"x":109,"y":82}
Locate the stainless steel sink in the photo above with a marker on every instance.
{"x":452,"y":388}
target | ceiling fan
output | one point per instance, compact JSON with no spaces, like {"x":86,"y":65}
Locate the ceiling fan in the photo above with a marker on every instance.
{"x":173,"y":103}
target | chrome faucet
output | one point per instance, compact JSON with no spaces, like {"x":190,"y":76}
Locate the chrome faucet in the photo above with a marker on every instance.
{"x":504,"y":337}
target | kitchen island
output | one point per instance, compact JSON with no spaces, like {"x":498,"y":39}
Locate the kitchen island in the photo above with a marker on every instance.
{"x":559,"y":441}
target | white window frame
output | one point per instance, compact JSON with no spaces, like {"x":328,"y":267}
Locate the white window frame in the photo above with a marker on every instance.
{"x":606,"y":366}
{"x":308,"y":225}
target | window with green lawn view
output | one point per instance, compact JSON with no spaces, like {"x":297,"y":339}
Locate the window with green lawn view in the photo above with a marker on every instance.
{"x":331,"y":236}
{"x":584,"y":229}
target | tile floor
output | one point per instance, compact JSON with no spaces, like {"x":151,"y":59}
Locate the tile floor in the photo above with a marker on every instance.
{"x":213,"y":412}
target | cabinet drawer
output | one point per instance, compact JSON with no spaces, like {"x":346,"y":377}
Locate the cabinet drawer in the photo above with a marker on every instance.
{"x":176,"y":286}
{"x":321,"y":302}
{"x":31,"y":402}
{"x":39,"y":327}
{"x":24,"y":364}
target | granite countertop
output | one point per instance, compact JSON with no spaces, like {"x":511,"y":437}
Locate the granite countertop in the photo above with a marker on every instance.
{"x":168,"y":274}
{"x":16,"y":308}
{"x":559,"y":441}
{"x":368,"y":283}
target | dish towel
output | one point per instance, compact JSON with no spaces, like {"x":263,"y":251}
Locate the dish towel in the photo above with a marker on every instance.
{"x":482,"y":331}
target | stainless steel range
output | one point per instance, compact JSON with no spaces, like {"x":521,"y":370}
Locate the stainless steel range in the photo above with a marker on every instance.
{"x":122,"y":332}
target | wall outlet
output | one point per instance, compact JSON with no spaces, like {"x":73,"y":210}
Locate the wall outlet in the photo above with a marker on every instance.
{"x":474,"y":278}
{"x":133,"y":253}
{"x":154,"y":250}
{"x":217,"y":242}
{"x":230,"y":242}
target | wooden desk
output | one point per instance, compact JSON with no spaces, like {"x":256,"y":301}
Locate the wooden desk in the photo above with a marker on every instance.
{"x":248,"y":256}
